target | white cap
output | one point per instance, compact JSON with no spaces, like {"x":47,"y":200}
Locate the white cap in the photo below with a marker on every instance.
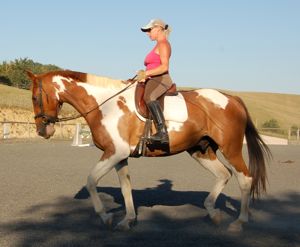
{"x":154,"y":23}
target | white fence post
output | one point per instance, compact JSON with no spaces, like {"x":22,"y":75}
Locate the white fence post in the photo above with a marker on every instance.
{"x":77,"y":140}
{"x":6,"y":130}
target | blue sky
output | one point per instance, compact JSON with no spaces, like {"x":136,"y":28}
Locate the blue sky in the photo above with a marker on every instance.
{"x":238,"y":45}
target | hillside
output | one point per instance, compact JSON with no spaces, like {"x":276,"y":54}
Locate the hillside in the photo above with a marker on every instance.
{"x":265,"y":106}
{"x":262,"y":106}
{"x":16,"y":104}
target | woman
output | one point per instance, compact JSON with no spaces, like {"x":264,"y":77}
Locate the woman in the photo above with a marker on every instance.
{"x":156,"y":76}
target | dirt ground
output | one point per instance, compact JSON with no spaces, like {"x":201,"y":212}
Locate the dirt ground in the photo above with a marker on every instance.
{"x":44,"y":203}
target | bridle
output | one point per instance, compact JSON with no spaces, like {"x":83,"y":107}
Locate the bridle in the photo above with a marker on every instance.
{"x":47,"y":119}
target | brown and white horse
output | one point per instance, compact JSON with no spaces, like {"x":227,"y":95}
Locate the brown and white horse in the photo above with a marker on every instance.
{"x":206,"y":123}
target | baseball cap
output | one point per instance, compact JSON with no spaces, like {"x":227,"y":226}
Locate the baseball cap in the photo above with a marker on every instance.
{"x":154,"y":23}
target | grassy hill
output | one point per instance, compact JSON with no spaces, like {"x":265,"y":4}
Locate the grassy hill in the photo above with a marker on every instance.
{"x":262,"y":106}
{"x":265,"y":106}
{"x":11,"y":97}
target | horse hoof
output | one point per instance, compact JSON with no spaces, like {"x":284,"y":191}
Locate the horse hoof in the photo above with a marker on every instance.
{"x":235,"y":227}
{"x":125,"y":225}
{"x":107,"y":219}
{"x":217,"y":218}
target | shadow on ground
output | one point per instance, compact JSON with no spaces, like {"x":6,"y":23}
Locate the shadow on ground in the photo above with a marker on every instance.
{"x":72,"y":221}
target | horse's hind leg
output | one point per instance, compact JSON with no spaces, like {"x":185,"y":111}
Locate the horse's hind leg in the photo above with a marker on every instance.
{"x":241,"y":172}
{"x":123,"y":173}
{"x":210,"y":162}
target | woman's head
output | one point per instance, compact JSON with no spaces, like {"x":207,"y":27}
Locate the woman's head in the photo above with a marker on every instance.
{"x":156,"y":28}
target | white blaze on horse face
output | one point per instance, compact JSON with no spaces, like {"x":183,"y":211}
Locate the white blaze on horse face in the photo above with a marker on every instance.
{"x":214,"y":96}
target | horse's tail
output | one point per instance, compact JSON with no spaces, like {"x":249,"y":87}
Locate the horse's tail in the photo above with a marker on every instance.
{"x":258,"y":153}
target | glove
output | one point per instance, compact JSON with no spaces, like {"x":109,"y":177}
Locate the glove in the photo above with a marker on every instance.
{"x":141,"y":76}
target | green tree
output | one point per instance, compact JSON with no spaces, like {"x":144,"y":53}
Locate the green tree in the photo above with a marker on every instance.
{"x":272,"y":123}
{"x":13,"y":73}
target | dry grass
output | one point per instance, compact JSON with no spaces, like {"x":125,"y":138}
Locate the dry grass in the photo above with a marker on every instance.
{"x":15,"y":98}
{"x":265,"y":106}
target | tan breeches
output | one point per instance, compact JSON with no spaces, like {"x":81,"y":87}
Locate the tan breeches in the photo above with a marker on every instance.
{"x":156,"y":86}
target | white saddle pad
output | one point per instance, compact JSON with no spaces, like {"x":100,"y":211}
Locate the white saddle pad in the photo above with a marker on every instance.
{"x":175,"y":109}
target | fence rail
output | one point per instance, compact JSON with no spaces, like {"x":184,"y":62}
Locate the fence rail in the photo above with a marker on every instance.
{"x":15,"y":129}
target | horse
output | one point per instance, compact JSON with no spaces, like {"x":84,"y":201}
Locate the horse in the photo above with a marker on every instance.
{"x":206,"y":123}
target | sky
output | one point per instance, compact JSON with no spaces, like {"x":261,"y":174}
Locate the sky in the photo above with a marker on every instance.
{"x":237,"y":45}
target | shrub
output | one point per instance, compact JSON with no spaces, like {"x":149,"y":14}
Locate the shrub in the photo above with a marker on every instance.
{"x":272,"y":123}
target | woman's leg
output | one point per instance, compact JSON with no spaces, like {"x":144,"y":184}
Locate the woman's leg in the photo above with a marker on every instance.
{"x":155,"y":88}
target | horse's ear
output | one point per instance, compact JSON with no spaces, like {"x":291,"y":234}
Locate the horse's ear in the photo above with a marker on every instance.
{"x":31,"y":76}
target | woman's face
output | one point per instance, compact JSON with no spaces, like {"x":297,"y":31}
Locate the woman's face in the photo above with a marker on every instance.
{"x":153,"y":33}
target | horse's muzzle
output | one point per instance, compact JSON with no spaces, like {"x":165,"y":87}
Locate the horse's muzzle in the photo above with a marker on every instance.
{"x":46,"y":131}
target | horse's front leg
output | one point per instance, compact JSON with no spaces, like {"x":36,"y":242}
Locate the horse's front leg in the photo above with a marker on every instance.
{"x":124,"y":178}
{"x":100,"y":169}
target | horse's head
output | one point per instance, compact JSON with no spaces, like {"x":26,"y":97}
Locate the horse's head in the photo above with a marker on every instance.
{"x":45,"y":104}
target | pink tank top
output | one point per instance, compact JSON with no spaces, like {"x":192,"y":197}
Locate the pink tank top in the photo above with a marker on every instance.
{"x":152,"y":60}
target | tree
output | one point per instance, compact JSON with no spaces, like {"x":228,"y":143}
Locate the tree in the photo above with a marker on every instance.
{"x":13,"y":73}
{"x":272,"y":123}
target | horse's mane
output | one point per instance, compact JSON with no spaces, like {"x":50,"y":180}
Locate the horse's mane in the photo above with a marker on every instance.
{"x":95,"y":80}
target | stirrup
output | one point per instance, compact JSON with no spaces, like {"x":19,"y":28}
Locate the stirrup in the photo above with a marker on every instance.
{"x":156,"y":139}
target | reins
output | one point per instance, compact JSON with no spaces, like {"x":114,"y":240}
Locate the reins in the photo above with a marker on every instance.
{"x":63,"y":119}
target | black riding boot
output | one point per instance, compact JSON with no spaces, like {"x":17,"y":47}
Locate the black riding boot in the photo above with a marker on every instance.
{"x":162,"y":134}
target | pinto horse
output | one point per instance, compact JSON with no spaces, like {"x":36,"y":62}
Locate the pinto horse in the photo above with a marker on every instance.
{"x":206,"y":123}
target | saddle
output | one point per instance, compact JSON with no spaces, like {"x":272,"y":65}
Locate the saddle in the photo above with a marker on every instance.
{"x":140,"y":104}
{"x":142,"y":109}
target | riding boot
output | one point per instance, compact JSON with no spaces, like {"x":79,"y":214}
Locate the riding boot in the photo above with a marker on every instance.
{"x":159,"y":121}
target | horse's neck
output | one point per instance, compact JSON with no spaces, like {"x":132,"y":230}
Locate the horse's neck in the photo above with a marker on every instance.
{"x":77,"y":95}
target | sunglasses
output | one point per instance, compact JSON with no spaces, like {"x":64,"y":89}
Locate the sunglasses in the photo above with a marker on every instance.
{"x":149,"y":30}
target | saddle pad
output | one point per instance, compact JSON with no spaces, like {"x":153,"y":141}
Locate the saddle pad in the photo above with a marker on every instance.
{"x":175,"y":109}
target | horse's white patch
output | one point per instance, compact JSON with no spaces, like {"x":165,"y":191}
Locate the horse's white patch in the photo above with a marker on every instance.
{"x":174,"y":126}
{"x":214,"y":96}
{"x":111,"y":117}
{"x":244,"y":181}
{"x":111,"y":114}
{"x":58,"y":79}
{"x":97,"y":92}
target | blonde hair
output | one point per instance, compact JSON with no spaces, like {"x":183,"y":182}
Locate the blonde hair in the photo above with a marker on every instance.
{"x":167,"y":30}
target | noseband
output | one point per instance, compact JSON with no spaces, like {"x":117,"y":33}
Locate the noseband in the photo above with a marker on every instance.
{"x":46,"y":119}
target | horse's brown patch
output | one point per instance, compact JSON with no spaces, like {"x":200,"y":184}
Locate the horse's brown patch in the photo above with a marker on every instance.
{"x":129,"y":125}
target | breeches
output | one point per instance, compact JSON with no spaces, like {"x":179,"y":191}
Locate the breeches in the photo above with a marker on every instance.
{"x":156,"y":86}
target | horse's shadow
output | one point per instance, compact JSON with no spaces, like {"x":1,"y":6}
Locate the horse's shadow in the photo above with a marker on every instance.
{"x":163,"y":194}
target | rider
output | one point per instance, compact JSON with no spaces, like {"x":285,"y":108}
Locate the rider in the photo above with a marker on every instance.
{"x":156,"y":76}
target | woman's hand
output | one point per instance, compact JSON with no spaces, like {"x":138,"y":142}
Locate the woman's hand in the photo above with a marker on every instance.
{"x":141,"y":76}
